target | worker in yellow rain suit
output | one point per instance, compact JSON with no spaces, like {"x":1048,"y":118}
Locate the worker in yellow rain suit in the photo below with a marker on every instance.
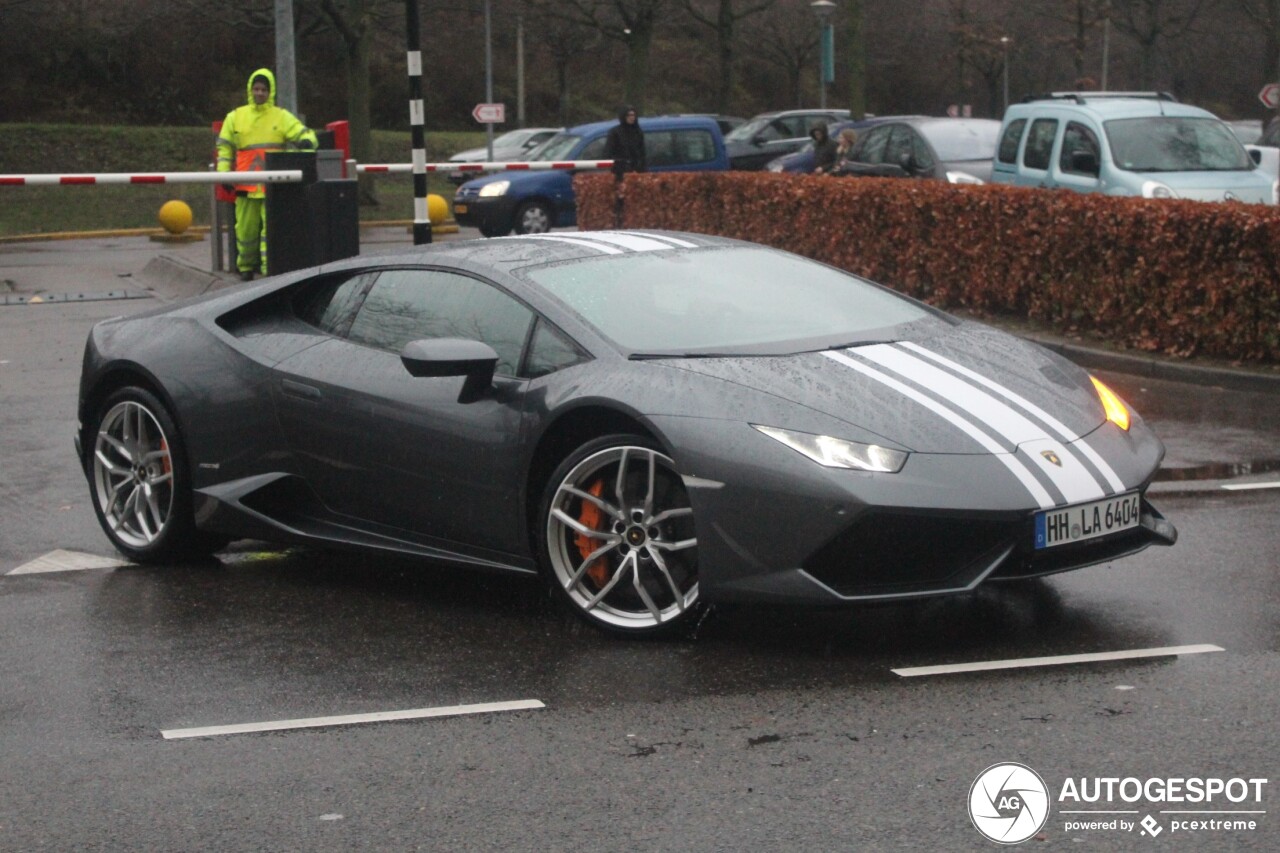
{"x":247,"y":134}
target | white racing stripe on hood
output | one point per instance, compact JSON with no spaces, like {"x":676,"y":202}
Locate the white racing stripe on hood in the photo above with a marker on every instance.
{"x":599,"y":247}
{"x":1076,"y":442}
{"x":1013,"y":463}
{"x":675,"y":241}
{"x":634,"y":242}
{"x":1076,"y":482}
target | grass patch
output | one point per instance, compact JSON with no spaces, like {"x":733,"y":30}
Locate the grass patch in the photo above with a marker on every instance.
{"x":68,"y":149}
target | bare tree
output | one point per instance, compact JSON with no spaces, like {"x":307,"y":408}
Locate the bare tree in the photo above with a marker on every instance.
{"x":1266,"y":14}
{"x":786,"y":38}
{"x":723,"y":17}
{"x":1150,"y":22}
{"x":631,"y":22}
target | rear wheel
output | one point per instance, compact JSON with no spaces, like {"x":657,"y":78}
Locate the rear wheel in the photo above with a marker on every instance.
{"x":618,"y":540}
{"x":140,"y":484}
{"x":533,"y":217}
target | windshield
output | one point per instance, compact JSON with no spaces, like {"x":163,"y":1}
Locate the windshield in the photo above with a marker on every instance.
{"x":1167,"y":144}
{"x":733,"y":301}
{"x":744,"y":132}
{"x":963,"y":140}
{"x":556,"y":148}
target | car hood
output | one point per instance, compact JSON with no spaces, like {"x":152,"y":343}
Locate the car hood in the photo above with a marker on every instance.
{"x":968,"y":390}
{"x":1247,"y":186}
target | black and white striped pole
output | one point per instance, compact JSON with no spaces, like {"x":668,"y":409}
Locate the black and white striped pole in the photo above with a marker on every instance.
{"x":421,"y":221}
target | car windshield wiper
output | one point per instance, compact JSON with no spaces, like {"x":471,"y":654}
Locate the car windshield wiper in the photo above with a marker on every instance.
{"x":649,"y":356}
{"x":865,"y":342}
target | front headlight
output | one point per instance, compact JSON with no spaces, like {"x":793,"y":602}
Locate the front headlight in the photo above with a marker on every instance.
{"x":963,"y":178}
{"x":494,"y":189}
{"x":1117,"y":411}
{"x":1155,"y":189}
{"x":838,"y":453}
{"x":773,"y":166}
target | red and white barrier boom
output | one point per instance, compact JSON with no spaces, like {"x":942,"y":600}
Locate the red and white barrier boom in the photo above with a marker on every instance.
{"x":520,"y":166}
{"x":288,"y":176}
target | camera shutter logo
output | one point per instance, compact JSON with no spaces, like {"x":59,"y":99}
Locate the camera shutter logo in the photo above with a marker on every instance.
{"x":1008,"y":803}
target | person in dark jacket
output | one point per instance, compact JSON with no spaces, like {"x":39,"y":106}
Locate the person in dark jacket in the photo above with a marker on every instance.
{"x":625,"y":144}
{"x":824,"y":150}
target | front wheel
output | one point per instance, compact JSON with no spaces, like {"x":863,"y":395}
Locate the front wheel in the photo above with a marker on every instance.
{"x":139,"y":481}
{"x":533,"y":217}
{"x":618,"y":543}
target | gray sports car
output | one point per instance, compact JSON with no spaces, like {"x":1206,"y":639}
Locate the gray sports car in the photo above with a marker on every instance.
{"x":651,"y":420}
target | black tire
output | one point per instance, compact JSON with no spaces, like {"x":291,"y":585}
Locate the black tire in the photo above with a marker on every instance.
{"x":626,"y":563}
{"x":532,"y":217}
{"x":493,"y":231}
{"x":139,"y":480}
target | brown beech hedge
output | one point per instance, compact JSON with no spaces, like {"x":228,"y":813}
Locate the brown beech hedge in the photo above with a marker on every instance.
{"x":1178,"y":277}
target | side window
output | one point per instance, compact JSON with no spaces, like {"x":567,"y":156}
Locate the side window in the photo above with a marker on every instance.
{"x":1039,"y":148}
{"x":871,"y":149}
{"x":693,"y":146}
{"x":810,"y":122}
{"x":550,"y":351}
{"x":1078,"y":139}
{"x":659,"y":148}
{"x":899,"y":146}
{"x":329,"y":305}
{"x":920,"y":152}
{"x":409,"y":305}
{"x":593,"y":150}
{"x":1009,"y":140}
{"x":791,"y":126}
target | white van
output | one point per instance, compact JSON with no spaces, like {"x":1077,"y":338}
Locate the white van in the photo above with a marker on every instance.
{"x":1126,"y":144}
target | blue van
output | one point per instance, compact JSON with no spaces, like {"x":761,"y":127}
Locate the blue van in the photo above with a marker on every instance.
{"x":537,"y":201}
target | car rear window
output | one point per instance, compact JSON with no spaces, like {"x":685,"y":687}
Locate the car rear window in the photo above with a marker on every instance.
{"x":1009,"y":141}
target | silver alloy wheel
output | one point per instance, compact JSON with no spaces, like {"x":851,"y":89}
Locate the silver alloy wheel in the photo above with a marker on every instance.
{"x":621,"y":540}
{"x":533,"y":219}
{"x":133,"y":474}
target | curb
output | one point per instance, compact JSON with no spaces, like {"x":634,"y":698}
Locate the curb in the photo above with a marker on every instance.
{"x":170,"y":280}
{"x":1138,"y":365}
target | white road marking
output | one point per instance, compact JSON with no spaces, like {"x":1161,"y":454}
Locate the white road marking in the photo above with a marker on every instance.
{"x":1240,"y":487}
{"x":67,"y":561}
{"x":1018,"y":663}
{"x":353,"y":719}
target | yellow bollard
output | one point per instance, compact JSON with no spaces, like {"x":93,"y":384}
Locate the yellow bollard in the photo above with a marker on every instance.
{"x":437,"y":209}
{"x":175,"y":216}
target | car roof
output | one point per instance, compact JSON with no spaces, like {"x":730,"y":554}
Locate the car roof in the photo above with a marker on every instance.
{"x":782,"y":113}
{"x":646,"y":123}
{"x":514,"y":252}
{"x":1109,"y":106}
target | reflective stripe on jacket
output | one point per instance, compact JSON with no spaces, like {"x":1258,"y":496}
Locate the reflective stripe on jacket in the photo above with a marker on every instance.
{"x":250,"y":131}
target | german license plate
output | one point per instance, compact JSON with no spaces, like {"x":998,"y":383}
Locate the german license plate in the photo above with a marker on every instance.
{"x":1087,"y":521}
{"x":459,"y":208}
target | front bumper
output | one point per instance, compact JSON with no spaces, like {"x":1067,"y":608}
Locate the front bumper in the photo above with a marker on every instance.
{"x":775,"y":527}
{"x":490,"y":214}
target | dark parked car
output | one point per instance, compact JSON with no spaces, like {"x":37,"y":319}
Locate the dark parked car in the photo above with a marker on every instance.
{"x":537,"y":201}
{"x":648,"y":419}
{"x":802,"y":162}
{"x":771,"y":135}
{"x":957,"y":150}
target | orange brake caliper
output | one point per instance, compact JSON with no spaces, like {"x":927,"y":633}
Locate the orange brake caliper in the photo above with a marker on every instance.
{"x":590,"y":516}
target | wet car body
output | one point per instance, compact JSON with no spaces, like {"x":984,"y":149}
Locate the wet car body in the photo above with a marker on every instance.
{"x":690,"y":473}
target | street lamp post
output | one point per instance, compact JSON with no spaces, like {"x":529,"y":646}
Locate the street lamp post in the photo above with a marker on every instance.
{"x":823,"y":9}
{"x":1004,"y":46}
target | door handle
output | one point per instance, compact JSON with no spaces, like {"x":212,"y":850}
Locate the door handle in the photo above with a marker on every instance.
{"x":300,"y":390}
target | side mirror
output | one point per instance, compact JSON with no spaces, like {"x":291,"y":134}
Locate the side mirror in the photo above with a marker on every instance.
{"x":1085,"y":162}
{"x":1256,"y":156}
{"x":907,"y":162}
{"x":452,"y":357}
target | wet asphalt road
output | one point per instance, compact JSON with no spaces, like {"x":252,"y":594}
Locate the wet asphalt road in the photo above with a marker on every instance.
{"x":770,"y":730}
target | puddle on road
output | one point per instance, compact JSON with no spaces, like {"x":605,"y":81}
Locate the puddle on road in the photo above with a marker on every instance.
{"x":1217,"y":471}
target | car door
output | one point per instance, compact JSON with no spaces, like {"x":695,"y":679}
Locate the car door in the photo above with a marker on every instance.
{"x":385,"y":447}
{"x":1037,"y":154}
{"x":1079,"y":159}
